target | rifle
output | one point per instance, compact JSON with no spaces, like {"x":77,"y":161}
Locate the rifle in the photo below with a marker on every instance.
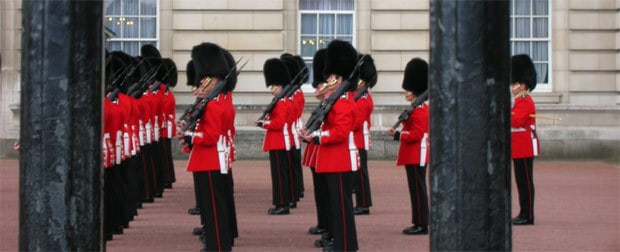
{"x":144,"y":81}
{"x":287,"y":91}
{"x":191,"y":108}
{"x":320,"y":112}
{"x":192,"y":118}
{"x":405,"y":114}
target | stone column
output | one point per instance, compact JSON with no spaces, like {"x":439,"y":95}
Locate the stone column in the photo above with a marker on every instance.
{"x":60,"y":157}
{"x":470,"y":125}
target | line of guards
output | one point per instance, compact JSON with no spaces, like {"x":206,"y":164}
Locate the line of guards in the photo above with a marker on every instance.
{"x":140,"y":122}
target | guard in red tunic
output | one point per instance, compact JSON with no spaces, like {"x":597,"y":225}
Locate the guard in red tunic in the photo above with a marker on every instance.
{"x":319,"y":183}
{"x":524,"y":141}
{"x":413,"y":152}
{"x":361,"y":134}
{"x":206,"y":159}
{"x":169,"y":120}
{"x":337,"y":155}
{"x":277,"y":139}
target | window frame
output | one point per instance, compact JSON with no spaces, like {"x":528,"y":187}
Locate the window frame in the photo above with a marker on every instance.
{"x":540,"y":87}
{"x":308,"y":60}
{"x":155,"y":40}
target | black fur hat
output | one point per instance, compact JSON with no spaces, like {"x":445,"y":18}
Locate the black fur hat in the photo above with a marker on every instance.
{"x":276,"y":72}
{"x":115,"y":69}
{"x":522,"y":70}
{"x":318,"y":67}
{"x":157,"y":64}
{"x":368,"y":71}
{"x":209,"y":60}
{"x":416,"y":76}
{"x":296,"y":66}
{"x":149,"y":51}
{"x":191,"y":74}
{"x":171,"y":72}
{"x":341,"y":59}
{"x":232,"y":80}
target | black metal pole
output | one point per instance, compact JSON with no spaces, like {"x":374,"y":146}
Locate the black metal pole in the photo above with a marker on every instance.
{"x":60,"y":156}
{"x":470,"y":125}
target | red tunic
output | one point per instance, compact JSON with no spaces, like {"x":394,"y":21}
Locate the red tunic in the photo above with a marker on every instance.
{"x":299,"y":101}
{"x":361,"y":133}
{"x":208,"y":132}
{"x":336,"y":141}
{"x":169,"y":112}
{"x":414,"y":142}
{"x":229,"y":126}
{"x":310,"y":154}
{"x":277,"y":137}
{"x":524,"y":143}
{"x":113,"y":119}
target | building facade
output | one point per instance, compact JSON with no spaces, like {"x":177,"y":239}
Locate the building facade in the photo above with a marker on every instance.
{"x":573,"y":43}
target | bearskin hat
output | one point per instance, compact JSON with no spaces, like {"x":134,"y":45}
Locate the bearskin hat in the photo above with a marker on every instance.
{"x":276,"y":72}
{"x":368,"y":71}
{"x":522,"y":70}
{"x":318,"y":67}
{"x":157,"y":64}
{"x":416,"y":76}
{"x":115,"y":69}
{"x":171,"y":72}
{"x":232,"y":80}
{"x":209,"y":60}
{"x":149,"y":51}
{"x":296,"y":66}
{"x":191,"y":74}
{"x":341,"y":59}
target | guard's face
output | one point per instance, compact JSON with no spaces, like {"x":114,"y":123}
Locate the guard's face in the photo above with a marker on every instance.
{"x":206,"y":85}
{"x":409,"y":96}
{"x":517,"y":88}
{"x":275,"y":89}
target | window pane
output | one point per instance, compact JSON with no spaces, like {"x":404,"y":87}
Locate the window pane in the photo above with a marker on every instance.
{"x":148,"y":27}
{"x":114,"y":46}
{"x":345,"y":38}
{"x":308,"y":46}
{"x":113,"y":24}
{"x":130,"y":7}
{"x":540,"y":51}
{"x":541,"y":72}
{"x":324,"y":40}
{"x":541,"y":7}
{"x":326,"y":23}
{"x":522,"y":28}
{"x":345,"y":24}
{"x":148,"y":7}
{"x":132,"y":48}
{"x":541,"y":28}
{"x":521,"y":48}
{"x":129,"y":27}
{"x":308,"y":24}
{"x":522,"y":7}
{"x":112,"y":7}
{"x":326,"y":5}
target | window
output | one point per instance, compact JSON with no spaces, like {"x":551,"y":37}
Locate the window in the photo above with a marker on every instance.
{"x":134,"y":22}
{"x":322,"y":21}
{"x":530,"y":35}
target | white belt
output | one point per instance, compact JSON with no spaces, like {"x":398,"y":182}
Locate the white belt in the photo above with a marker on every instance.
{"x":517,"y":129}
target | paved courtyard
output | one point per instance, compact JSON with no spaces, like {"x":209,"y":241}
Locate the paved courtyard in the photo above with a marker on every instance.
{"x":577,"y":209}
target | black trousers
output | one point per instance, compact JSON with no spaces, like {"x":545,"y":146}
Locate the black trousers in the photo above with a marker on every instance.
{"x":280,"y":177}
{"x":170,"y":175}
{"x":524,"y":178}
{"x":213,"y":204}
{"x":339,"y":186}
{"x":361,"y":182}
{"x":298,"y":173}
{"x":321,"y":199}
{"x":416,"y":178}
{"x":230,"y":200}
